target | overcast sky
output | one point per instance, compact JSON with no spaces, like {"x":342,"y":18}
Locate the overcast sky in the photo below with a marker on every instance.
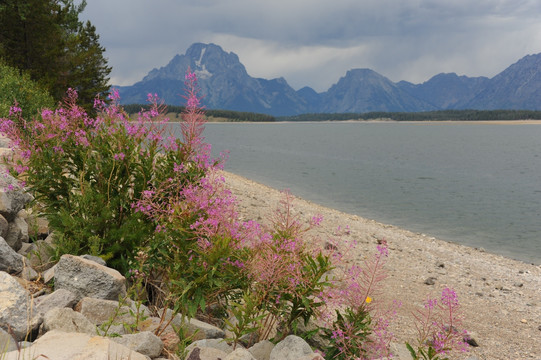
{"x":315,"y":42}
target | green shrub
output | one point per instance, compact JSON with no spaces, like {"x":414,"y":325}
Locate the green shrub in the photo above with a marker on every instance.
{"x":19,"y":88}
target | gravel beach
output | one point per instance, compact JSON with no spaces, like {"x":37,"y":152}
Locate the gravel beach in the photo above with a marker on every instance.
{"x":500,"y":298}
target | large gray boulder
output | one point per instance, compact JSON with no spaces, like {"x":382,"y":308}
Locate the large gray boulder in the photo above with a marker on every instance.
{"x":12,"y":198}
{"x":17,"y":233}
{"x":100,"y":311}
{"x":15,"y":307}
{"x":87,"y":278}
{"x":59,"y":345}
{"x":10,"y":261}
{"x":14,"y":263}
{"x":96,"y":259}
{"x":61,"y":298}
{"x":145,"y":343}
{"x":291,"y":348}
{"x":67,"y":320}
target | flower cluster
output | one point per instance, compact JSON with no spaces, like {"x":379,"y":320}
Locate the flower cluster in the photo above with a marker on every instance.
{"x":157,"y":207}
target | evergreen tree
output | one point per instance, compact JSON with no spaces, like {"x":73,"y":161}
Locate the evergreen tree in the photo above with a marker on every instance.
{"x":45,"y":39}
{"x":88,"y":71}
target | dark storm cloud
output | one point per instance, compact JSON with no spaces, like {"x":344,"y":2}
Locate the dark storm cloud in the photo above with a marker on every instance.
{"x":314,"y":42}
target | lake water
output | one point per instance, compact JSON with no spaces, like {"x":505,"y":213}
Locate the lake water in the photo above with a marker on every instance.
{"x":474,"y":184}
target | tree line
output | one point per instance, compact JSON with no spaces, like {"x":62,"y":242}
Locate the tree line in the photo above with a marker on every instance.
{"x":227,"y":115}
{"x":440,"y":115}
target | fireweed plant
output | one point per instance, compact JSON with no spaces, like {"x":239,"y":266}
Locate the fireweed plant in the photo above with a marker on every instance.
{"x":86,"y":172}
{"x":359,"y":327}
{"x":438,"y":328}
{"x":117,"y":187}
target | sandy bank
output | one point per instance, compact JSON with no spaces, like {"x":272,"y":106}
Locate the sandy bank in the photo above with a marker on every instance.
{"x":500,"y":297}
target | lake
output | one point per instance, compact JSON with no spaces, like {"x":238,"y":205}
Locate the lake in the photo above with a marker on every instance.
{"x":473,"y":184}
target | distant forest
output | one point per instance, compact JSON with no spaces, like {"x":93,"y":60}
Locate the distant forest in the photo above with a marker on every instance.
{"x":220,"y":115}
{"x":440,"y":115}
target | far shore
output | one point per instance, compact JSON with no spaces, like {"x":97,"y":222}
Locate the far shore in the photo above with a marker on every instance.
{"x":387,"y":121}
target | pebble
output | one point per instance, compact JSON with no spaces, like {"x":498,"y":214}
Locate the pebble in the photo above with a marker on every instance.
{"x":471,"y":341}
{"x":524,"y":321}
{"x":430,"y":281}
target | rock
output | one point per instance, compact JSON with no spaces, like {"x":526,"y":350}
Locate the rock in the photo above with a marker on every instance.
{"x":291,"y":348}
{"x":440,"y":264}
{"x":48,"y":275}
{"x":262,"y":350}
{"x":15,"y":307}
{"x":7,"y":343}
{"x":26,"y":248}
{"x":17,"y":232}
{"x":240,"y":354}
{"x":88,"y":278}
{"x":28,"y":273}
{"x":218,"y":344}
{"x":12,"y":199}
{"x":38,"y":227}
{"x":145,"y":343}
{"x":5,"y":142}
{"x":399,"y":351}
{"x":330,"y":246}
{"x":67,"y":320}
{"x":169,"y":339}
{"x":4,"y":225}
{"x":40,"y":255}
{"x":201,"y":329}
{"x":316,"y":340}
{"x":60,"y":298}
{"x":205,"y":353}
{"x":99,"y":311}
{"x":96,"y":259}
{"x":430,"y":281}
{"x":10,"y":261}
{"x":81,"y":346}
{"x":471,"y":341}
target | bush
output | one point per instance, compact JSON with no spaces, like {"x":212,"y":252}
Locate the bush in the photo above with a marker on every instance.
{"x":18,"y":88}
{"x":87,"y":172}
{"x":157,"y":207}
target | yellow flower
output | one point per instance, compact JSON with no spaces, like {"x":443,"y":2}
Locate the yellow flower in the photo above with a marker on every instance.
{"x":368,"y":300}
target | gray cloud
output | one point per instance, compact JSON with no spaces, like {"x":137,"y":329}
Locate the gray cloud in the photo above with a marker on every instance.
{"x":314,"y":42}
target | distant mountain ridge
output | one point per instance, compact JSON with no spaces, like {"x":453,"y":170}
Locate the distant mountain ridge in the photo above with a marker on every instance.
{"x":225,"y":84}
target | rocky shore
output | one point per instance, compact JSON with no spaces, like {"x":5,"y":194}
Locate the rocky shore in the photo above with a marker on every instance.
{"x":80,"y":309}
{"x":500,"y":298}
{"x":63,"y":312}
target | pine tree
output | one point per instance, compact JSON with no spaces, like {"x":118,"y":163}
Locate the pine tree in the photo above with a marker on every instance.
{"x":45,"y":39}
{"x":88,"y":70}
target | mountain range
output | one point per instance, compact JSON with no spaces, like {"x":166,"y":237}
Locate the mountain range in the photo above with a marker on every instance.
{"x":225,"y":84}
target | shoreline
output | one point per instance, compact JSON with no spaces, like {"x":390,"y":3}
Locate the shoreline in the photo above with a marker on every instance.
{"x":389,"y":121}
{"x":500,"y":297}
